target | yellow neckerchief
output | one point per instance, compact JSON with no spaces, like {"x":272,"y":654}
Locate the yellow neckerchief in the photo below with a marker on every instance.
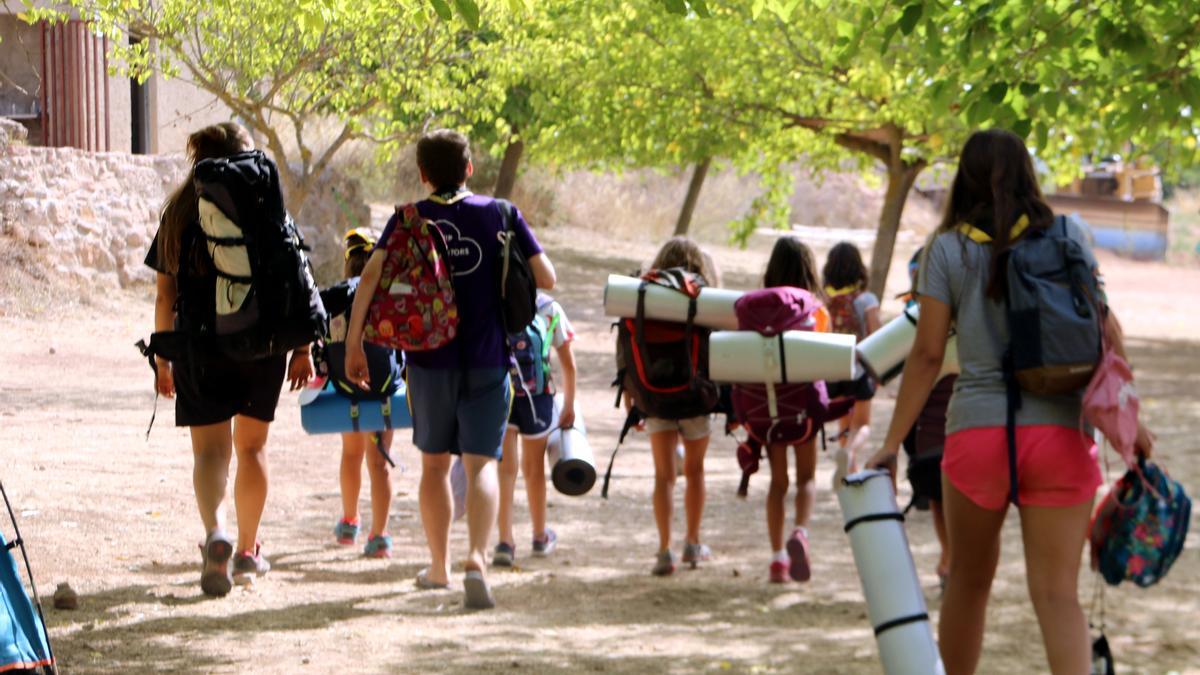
{"x":447,"y":199}
{"x":831,"y":292}
{"x":980,"y":237}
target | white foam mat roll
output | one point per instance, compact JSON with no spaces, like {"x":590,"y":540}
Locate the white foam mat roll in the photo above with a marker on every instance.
{"x":885,"y":349}
{"x":749,"y":357}
{"x":714,"y":306}
{"x":895,"y":603}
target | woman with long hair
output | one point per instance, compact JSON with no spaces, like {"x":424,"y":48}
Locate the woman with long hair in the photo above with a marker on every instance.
{"x":227,"y":405}
{"x":961,"y":281}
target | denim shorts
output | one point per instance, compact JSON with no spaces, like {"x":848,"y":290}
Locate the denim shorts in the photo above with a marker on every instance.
{"x":459,"y":411}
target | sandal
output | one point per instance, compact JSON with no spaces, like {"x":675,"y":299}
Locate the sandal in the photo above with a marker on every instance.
{"x":425,"y":584}
{"x":476,"y":594}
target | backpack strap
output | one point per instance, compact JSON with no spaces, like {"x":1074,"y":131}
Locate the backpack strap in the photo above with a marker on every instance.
{"x":634,"y":417}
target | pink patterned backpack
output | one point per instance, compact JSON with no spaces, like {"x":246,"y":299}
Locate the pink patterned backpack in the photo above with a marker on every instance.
{"x":413,"y":308}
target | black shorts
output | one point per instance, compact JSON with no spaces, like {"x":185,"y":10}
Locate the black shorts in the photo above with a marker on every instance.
{"x":522,"y":416}
{"x":213,"y":389}
{"x":862,"y":389}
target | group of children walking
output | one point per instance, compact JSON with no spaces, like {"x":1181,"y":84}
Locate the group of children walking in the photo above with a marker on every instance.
{"x":489,"y":395}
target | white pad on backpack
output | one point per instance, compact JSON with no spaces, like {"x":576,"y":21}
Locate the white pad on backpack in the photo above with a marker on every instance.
{"x":749,"y":357}
{"x":714,"y":306}
{"x":232,"y":260}
{"x":895,"y":603}
{"x":883,"y":352}
{"x":572,"y":464}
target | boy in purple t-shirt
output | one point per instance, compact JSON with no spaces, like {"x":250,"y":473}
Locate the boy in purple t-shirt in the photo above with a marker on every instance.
{"x":460,"y":393}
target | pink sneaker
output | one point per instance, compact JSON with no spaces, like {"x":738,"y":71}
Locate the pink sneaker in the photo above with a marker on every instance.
{"x":779,"y":572}
{"x":797,"y":548}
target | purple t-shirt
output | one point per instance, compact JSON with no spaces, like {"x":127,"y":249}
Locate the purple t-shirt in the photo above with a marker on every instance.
{"x":471,"y":226}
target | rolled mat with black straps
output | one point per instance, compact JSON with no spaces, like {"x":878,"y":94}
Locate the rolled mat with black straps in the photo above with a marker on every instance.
{"x":325,"y":411}
{"x":895,"y":603}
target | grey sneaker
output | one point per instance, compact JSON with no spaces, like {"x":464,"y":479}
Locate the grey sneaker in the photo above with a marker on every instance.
{"x":250,"y":564}
{"x":546,"y":545}
{"x":665,"y":565}
{"x":696,"y":553}
{"x":503,"y":555}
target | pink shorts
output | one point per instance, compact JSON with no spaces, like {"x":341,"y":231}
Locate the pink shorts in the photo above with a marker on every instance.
{"x":1056,"y":466}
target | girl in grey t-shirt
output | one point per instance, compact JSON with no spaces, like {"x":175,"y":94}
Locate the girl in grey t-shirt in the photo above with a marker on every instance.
{"x":993,"y":201}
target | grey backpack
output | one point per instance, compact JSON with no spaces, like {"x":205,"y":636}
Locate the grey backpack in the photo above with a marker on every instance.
{"x":1055,"y":319}
{"x":1054,"y":306}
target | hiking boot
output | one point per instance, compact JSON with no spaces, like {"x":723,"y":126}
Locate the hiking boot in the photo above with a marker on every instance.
{"x":546,"y":545}
{"x":216,"y":579}
{"x":797,"y":548}
{"x":378,"y":546}
{"x":665,"y":565}
{"x":693,"y":554}
{"x":503,"y":555}
{"x":250,"y":564}
{"x":346,"y":532}
{"x":779,"y":572}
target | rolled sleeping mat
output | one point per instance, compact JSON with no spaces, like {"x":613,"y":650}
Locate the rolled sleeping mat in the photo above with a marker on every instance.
{"x":895,"y":603}
{"x":324,"y":411}
{"x":572,"y":464}
{"x":883,"y":352}
{"x":714,"y":306}
{"x":749,"y":357}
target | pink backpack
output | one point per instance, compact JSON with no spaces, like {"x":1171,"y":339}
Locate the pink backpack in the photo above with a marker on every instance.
{"x":779,"y":413}
{"x":1110,"y":404}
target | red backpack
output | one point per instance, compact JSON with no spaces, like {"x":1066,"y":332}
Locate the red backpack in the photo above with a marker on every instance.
{"x":784,"y":413}
{"x":842,"y":317}
{"x":413,"y":308}
{"x":662,"y":364}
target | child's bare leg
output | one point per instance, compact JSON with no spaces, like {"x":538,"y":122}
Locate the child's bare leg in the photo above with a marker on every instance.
{"x":350,"y":476}
{"x":974,"y":537}
{"x":250,"y":484}
{"x":381,"y":481}
{"x":212,"y":448}
{"x":693,"y":496}
{"x":860,"y":418}
{"x":776,"y":494}
{"x":437,"y":508}
{"x":662,"y":447}
{"x":1054,"y":539}
{"x":806,"y":481}
{"x":507,"y":471}
{"x":533,"y":466}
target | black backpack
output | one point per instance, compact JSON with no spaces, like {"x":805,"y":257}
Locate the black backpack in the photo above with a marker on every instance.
{"x":382,"y":364}
{"x":662,"y":364}
{"x":281,"y":309}
{"x":518,"y":288}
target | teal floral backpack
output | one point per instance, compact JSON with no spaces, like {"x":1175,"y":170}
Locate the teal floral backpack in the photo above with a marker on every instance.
{"x":1139,"y":528}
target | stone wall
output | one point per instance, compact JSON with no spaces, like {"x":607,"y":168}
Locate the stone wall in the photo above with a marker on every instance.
{"x":89,"y":215}
{"x":92,"y":216}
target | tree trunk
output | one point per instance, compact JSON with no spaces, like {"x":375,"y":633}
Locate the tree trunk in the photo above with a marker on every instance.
{"x":901,"y":176}
{"x":508,"y":169}
{"x":693,"y":196}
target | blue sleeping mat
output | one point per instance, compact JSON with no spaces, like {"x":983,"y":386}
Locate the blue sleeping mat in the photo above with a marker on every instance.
{"x":327,"y":412}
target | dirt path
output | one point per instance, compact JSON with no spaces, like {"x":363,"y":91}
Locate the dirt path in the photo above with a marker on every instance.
{"x":112,"y":513}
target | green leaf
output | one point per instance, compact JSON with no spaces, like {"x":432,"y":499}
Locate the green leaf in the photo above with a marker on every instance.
{"x":1022,"y":127}
{"x":443,"y":9}
{"x":997,"y":92}
{"x":701,"y":8}
{"x":910,"y":17}
{"x":677,"y":7}
{"x":469,"y":11}
{"x":1029,"y":88}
